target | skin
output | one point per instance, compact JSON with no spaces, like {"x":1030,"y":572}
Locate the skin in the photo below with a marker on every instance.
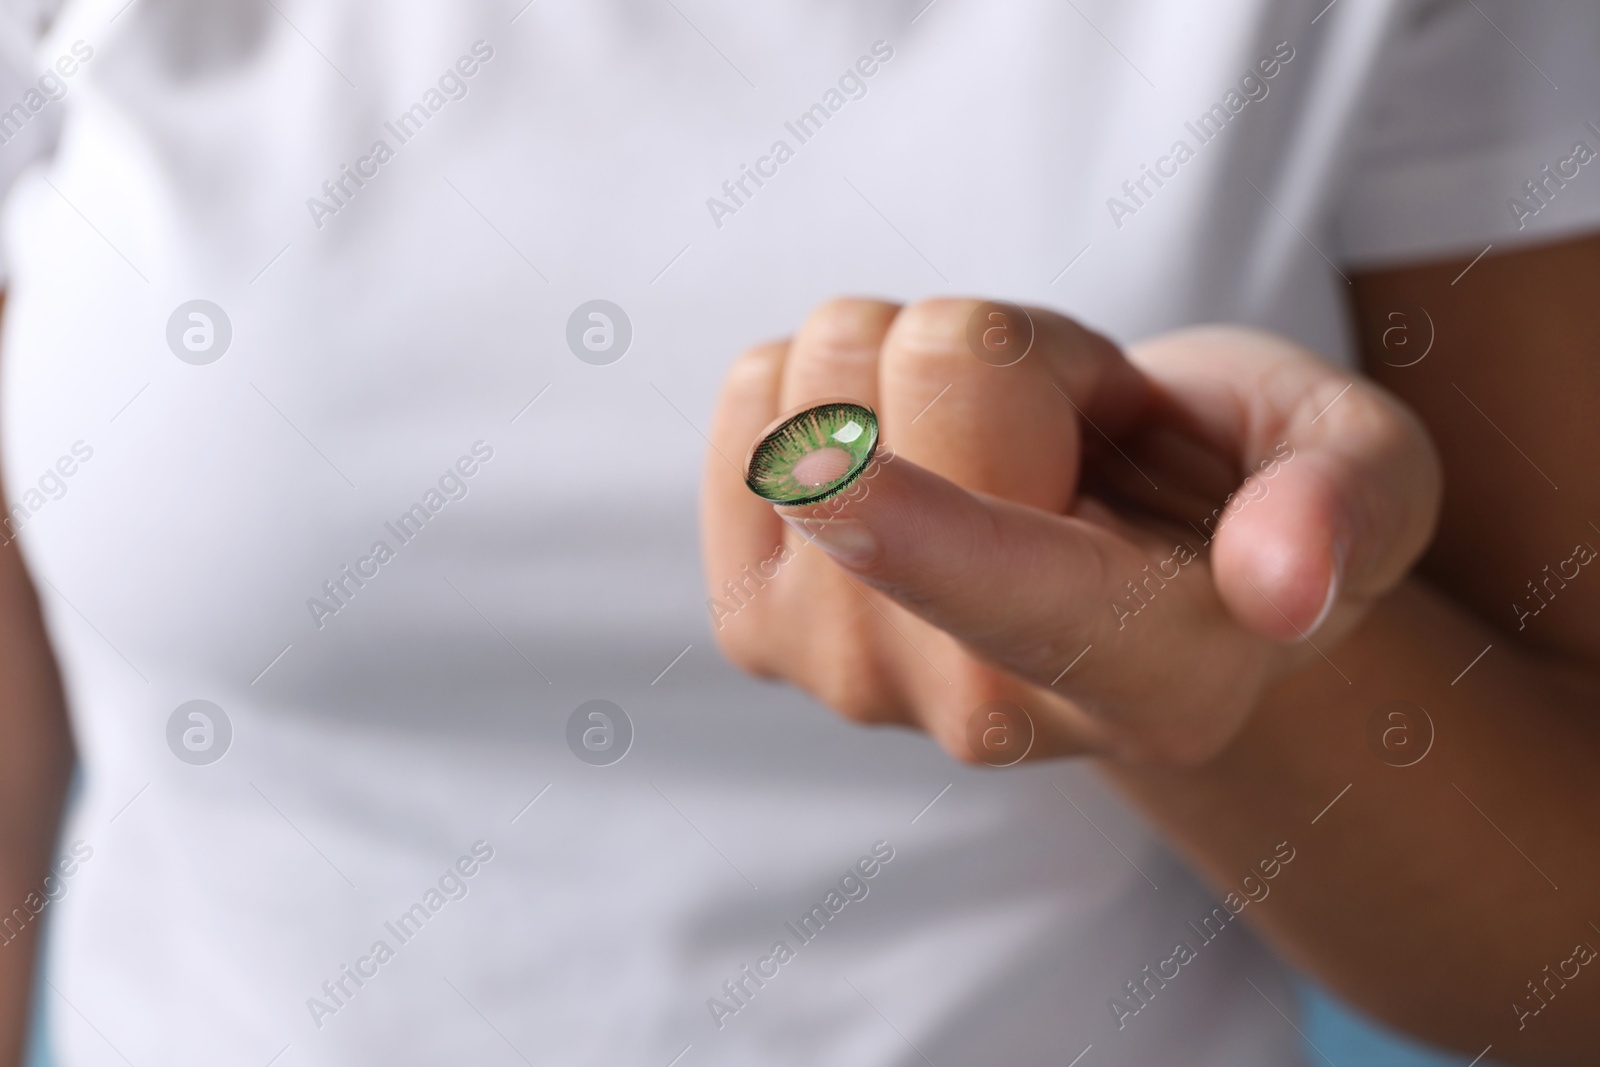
{"x":35,"y":763}
{"x":992,"y":546}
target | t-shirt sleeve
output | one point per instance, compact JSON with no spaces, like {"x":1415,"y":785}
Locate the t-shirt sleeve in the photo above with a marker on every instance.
{"x":1483,"y":127}
{"x":26,"y":134}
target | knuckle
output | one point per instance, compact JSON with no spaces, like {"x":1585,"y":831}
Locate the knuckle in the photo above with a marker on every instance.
{"x":846,"y":330}
{"x":951,"y":731}
{"x":758,"y":362}
{"x":856,"y":689}
{"x":859,"y":703}
{"x":957,"y":719}
{"x":744,"y":648}
{"x":844,"y":677}
{"x":939,"y":323}
{"x":861,"y":708}
{"x":929,"y":339}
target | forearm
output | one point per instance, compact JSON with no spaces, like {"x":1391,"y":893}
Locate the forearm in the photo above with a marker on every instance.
{"x":35,"y":761}
{"x":1403,"y":896}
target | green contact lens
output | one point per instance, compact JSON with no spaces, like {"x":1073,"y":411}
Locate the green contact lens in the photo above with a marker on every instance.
{"x":811,"y":455}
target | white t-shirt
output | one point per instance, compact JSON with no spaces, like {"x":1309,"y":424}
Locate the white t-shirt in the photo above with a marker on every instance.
{"x":386,"y":357}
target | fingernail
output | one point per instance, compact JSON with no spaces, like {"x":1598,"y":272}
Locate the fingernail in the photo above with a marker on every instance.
{"x":846,"y":540}
{"x":1335,"y":582}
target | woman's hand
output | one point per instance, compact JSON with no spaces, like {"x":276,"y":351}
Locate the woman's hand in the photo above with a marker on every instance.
{"x":1127,"y":549}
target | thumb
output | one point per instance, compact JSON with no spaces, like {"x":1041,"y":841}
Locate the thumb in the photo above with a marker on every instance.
{"x":1341,"y":525}
{"x":1342,"y":487}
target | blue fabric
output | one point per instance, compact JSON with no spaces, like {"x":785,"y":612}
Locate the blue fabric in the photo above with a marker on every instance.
{"x":1350,"y":1039}
{"x":38,"y":1051}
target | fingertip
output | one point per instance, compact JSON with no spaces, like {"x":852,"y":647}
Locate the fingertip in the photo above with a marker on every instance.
{"x":1334,"y":591}
{"x":1285,"y":598}
{"x":850,"y":543}
{"x":1279,"y":563}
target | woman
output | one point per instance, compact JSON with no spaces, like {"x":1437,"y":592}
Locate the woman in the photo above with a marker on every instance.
{"x":379,"y":344}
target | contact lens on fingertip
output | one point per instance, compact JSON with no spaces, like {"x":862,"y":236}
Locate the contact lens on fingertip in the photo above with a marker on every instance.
{"x":814,"y":453}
